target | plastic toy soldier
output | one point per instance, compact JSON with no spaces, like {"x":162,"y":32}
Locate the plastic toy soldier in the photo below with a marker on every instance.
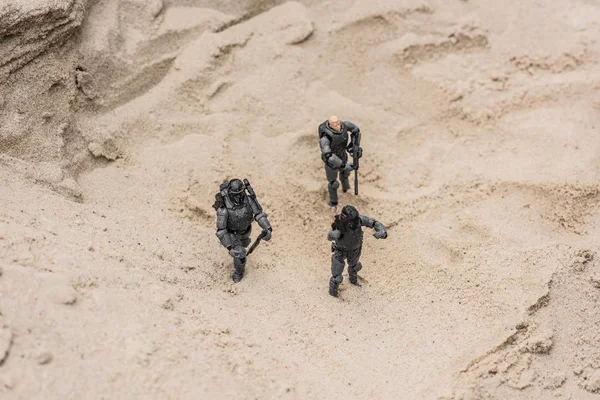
{"x":333,"y":139}
{"x":236,"y":206}
{"x":347,"y":236}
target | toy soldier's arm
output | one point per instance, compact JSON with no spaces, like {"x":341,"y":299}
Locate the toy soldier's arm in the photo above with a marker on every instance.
{"x":380,"y":232}
{"x":355,"y":138}
{"x":260,"y":217}
{"x":222,"y":233}
{"x":351,"y":127}
{"x":327,"y":155}
{"x":333,"y":234}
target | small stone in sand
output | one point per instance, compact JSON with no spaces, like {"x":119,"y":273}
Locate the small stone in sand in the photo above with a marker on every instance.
{"x":63,"y":295}
{"x":44,"y":357}
{"x":5,"y":343}
{"x":7,"y":381}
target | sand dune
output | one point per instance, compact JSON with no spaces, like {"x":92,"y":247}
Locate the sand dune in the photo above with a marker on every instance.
{"x":119,"y":119}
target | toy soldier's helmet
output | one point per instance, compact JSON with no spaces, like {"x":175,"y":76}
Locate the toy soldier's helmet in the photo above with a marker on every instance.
{"x":236,"y":191}
{"x":353,"y":216}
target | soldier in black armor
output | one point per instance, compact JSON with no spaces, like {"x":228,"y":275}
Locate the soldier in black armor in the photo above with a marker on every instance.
{"x":333,"y":139}
{"x":235,"y":211}
{"x":347,"y":237}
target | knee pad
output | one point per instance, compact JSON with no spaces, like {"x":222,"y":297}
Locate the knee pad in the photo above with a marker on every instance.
{"x":337,"y":279}
{"x":357,"y":267}
{"x":239,"y":261}
{"x":334,"y":184}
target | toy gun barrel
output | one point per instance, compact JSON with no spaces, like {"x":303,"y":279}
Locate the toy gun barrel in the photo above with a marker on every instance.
{"x":257,"y":242}
{"x":249,"y":188}
{"x":251,"y":192}
{"x":355,"y":161}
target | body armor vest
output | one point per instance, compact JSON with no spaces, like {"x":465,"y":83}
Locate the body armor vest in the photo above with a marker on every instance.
{"x":239,"y":218}
{"x":339,"y":141}
{"x":351,"y":239}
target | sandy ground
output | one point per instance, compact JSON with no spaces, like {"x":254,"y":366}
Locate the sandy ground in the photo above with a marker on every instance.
{"x":481,"y":132}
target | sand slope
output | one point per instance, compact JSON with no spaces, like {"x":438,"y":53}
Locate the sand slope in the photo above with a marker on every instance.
{"x":480,"y":128}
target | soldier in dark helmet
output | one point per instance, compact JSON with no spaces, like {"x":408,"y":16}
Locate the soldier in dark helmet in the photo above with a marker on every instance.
{"x":236,"y":207}
{"x":347,"y":236}
{"x":333,"y":140}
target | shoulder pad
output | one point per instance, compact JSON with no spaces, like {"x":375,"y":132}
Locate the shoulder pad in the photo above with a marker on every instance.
{"x":324,"y":131}
{"x":219,"y":202}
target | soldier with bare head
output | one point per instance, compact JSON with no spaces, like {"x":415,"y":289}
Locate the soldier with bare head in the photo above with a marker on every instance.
{"x":333,"y":140}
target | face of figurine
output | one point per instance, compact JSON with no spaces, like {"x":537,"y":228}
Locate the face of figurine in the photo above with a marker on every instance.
{"x":334,"y":123}
{"x":236,"y":191}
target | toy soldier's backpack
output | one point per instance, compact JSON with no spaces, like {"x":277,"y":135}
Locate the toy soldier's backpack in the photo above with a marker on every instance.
{"x":220,"y":197}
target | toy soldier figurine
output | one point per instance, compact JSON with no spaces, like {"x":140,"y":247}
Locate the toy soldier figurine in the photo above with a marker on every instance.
{"x":333,"y":139}
{"x":347,"y":237}
{"x":235,"y":211}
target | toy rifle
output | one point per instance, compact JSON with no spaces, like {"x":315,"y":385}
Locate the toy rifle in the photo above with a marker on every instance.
{"x":251,"y":193}
{"x":264,"y":232}
{"x":355,"y":157}
{"x":257,"y":242}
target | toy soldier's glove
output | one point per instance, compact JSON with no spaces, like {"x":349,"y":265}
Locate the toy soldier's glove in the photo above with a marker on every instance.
{"x":333,"y":235}
{"x":238,"y":252}
{"x":332,"y":160}
{"x":350,"y":149}
{"x":264,"y":223}
{"x":380,"y":232}
{"x":380,"y":235}
{"x":347,"y":167}
{"x":268,"y":234}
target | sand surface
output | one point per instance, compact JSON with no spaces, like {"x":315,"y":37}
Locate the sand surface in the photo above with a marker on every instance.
{"x":481,"y":137}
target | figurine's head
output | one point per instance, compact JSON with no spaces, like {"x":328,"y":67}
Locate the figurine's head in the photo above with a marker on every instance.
{"x":236,"y":191}
{"x":352,"y":215}
{"x":334,"y":123}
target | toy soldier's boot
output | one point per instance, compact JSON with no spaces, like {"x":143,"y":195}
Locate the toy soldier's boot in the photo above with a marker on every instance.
{"x":353,"y":273}
{"x":344,"y":178}
{"x":334,"y":284}
{"x":239,"y":266}
{"x":332,"y":187}
{"x":337,"y":268}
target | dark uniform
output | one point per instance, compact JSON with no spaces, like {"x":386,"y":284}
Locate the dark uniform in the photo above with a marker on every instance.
{"x":334,"y":152}
{"x":347,"y":235}
{"x":235,"y":212}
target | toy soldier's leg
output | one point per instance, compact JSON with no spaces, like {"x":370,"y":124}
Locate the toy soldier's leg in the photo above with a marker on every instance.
{"x":354,"y":266}
{"x":332,"y":185}
{"x":239,"y":266}
{"x":239,"y":261}
{"x":344,"y":178}
{"x":337,"y":268}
